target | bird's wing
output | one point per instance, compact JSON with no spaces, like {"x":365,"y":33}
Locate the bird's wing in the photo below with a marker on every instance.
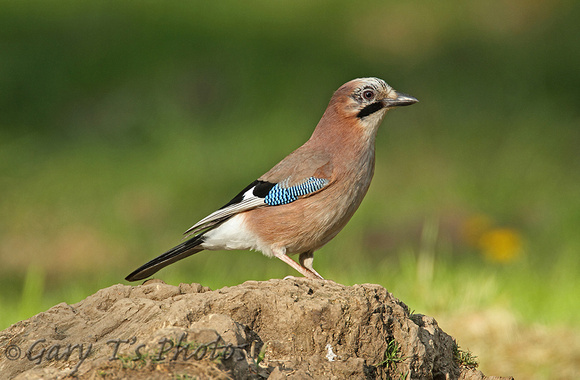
{"x":294,"y":185}
{"x":251,"y":197}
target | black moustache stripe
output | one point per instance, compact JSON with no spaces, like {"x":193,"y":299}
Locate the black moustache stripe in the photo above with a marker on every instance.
{"x":370,"y":109}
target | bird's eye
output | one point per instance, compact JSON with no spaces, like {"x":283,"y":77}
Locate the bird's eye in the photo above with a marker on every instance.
{"x":368,"y":94}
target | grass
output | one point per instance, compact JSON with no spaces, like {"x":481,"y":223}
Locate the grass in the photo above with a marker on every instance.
{"x":392,"y":354}
{"x":465,"y":358}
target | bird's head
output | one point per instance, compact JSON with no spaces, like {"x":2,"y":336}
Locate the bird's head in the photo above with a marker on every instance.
{"x":356,"y":111}
{"x":366,"y":100}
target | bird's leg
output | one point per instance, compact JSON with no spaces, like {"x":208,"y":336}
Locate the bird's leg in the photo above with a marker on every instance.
{"x":306,"y":259}
{"x":281,"y":254}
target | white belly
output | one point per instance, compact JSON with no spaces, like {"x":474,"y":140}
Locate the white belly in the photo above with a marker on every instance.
{"x":230,"y":235}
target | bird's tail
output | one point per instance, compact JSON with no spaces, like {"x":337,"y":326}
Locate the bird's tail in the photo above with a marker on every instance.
{"x":183,"y":250}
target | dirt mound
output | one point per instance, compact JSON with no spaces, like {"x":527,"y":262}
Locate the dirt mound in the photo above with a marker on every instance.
{"x":295,"y":328}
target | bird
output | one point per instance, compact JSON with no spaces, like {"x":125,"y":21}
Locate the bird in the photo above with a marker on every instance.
{"x":307,"y":198}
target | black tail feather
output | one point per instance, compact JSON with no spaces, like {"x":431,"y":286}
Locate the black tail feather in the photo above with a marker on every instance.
{"x":176,"y":253}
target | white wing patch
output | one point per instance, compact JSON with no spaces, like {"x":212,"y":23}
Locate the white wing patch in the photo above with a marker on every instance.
{"x":249,"y":194}
{"x":249,"y":202}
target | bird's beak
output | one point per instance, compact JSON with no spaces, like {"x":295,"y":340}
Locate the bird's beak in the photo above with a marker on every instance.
{"x":400,"y":100}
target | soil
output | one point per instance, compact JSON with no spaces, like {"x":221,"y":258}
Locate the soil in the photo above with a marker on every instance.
{"x":293,"y":328}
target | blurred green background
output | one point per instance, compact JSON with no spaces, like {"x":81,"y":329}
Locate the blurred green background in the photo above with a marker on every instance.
{"x":123,"y":123}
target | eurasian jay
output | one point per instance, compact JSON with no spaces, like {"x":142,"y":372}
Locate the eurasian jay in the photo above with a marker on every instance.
{"x":308,"y":197}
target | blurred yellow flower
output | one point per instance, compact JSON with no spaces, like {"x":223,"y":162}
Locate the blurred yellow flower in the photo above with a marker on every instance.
{"x":501,"y":245}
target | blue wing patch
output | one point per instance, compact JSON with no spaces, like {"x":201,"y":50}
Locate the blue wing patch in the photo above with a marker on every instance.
{"x":280,"y":195}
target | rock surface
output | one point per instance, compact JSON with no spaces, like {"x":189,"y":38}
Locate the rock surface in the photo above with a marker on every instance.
{"x":295,"y":328}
